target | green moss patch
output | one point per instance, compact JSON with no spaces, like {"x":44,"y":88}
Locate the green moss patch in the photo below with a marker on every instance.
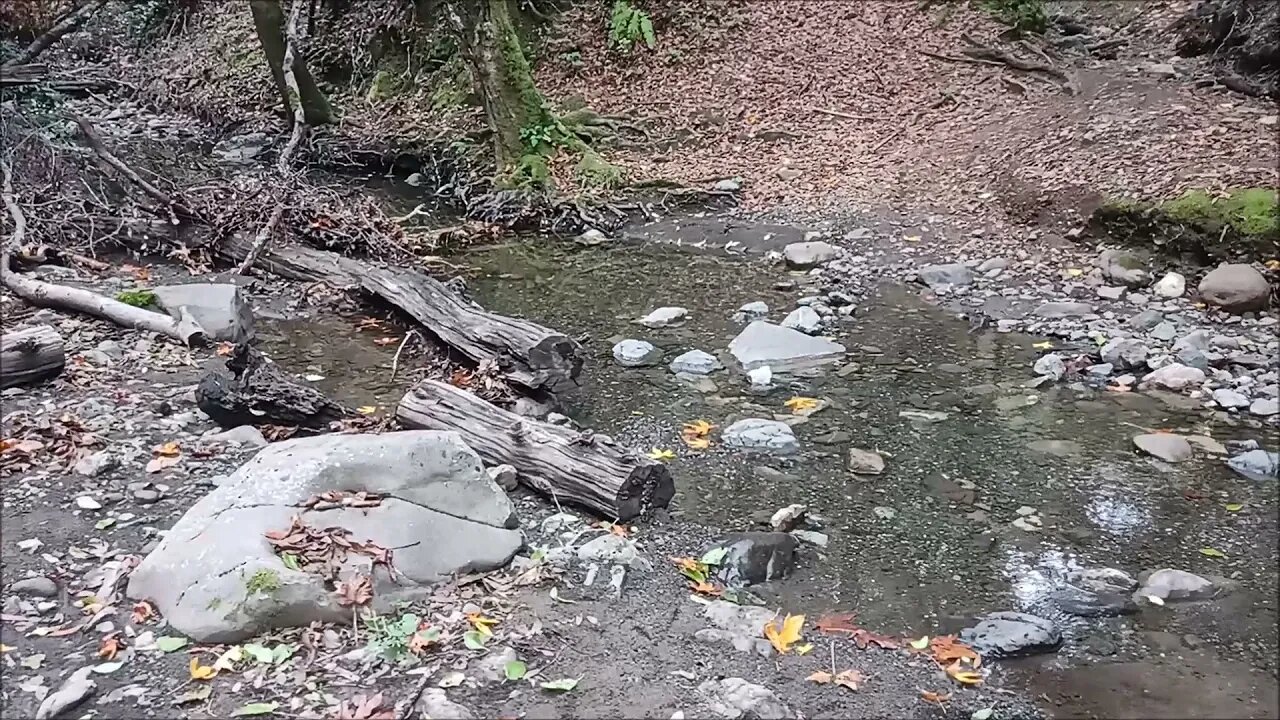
{"x":1207,"y":227}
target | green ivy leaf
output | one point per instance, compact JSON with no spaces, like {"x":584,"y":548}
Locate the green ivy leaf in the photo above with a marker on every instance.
{"x":169,"y":643}
{"x":561,"y":685}
{"x":515,"y":670}
{"x":473,"y":639}
{"x":259,"y":708}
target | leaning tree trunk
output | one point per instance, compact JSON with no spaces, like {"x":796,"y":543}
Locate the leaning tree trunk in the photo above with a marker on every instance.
{"x":268,"y":21}
{"x":489,"y":42}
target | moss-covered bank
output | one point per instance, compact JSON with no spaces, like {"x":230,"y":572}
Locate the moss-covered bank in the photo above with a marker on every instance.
{"x":1206,"y":227}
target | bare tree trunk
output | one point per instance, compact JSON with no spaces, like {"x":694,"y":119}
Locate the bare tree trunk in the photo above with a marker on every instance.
{"x":268,"y":21}
{"x":489,"y":42}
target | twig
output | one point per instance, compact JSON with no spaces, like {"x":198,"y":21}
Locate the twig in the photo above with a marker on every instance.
{"x":68,"y":23}
{"x":846,"y":116}
{"x":958,"y":59}
{"x":261,"y":239}
{"x":395,"y":361}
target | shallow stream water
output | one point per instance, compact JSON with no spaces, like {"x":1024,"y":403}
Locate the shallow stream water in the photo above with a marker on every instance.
{"x":930,"y":543}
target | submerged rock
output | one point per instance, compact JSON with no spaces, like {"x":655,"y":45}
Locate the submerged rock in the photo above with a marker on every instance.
{"x":1010,"y":634}
{"x":759,"y":434}
{"x":216,"y":578}
{"x":1236,"y":288}
{"x":1094,"y":603}
{"x":1228,"y":398}
{"x":805,"y":255}
{"x":1103,"y":580}
{"x":1165,"y":446}
{"x":696,"y":362}
{"x":755,"y":557}
{"x":1051,"y":366}
{"x":1125,"y":353}
{"x":1053,"y":310}
{"x":783,"y":349}
{"x":219,"y":308}
{"x":636,"y":353}
{"x":1257,"y":465}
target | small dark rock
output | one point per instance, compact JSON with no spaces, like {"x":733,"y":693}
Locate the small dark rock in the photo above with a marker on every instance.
{"x":1093,"y":604}
{"x":1010,"y":634}
{"x":756,"y":557}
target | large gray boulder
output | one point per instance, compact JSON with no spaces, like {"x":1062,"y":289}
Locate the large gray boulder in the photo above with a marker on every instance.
{"x":1009,"y":634}
{"x":1236,"y":288}
{"x":782,"y":349}
{"x":219,"y":308}
{"x":216,"y":578}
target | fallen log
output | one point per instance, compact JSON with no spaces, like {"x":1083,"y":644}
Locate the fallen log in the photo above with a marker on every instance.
{"x":65,"y":24}
{"x":589,"y":470}
{"x":30,"y":354}
{"x":257,"y":392}
{"x":530,"y":355}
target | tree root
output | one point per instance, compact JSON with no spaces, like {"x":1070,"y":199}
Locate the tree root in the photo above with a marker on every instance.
{"x":979,"y":54}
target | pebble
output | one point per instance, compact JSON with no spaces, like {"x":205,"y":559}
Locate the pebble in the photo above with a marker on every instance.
{"x":1265,"y":407}
{"x":696,"y":362}
{"x":664,"y":317}
{"x":1051,"y":366}
{"x":636,"y":353}
{"x":1228,"y":398}
{"x":865,"y":462}
{"x":1165,"y":446}
{"x":805,"y":319}
{"x":35,"y":587}
{"x":84,"y":502}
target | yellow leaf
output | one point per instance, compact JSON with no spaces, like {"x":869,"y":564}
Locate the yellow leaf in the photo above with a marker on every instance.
{"x":1212,"y":552}
{"x":962,"y":676}
{"x":1046,"y":345}
{"x":800,"y":404}
{"x":367,"y":409}
{"x":661,"y":454}
{"x":1234,"y":507}
{"x":920,"y":644}
{"x":783,"y":636}
{"x":170,"y":449}
{"x":911,"y":238}
{"x":697,"y":428}
{"x":482,"y":623}
{"x":6,"y":648}
{"x":696,"y":443}
{"x":1074,"y":272}
{"x":804,"y":649}
{"x":201,"y":672}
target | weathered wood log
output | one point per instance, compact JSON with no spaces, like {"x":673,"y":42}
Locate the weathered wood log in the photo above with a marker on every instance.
{"x":589,"y":470}
{"x":530,"y":355}
{"x":30,"y":354}
{"x":257,"y":392}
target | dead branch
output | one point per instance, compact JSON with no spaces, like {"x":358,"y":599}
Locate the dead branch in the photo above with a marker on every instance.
{"x":39,"y":74}
{"x":30,"y":354}
{"x":177,"y":211}
{"x":44,"y":294}
{"x":261,"y":239}
{"x":68,"y":23}
{"x":978,"y":51}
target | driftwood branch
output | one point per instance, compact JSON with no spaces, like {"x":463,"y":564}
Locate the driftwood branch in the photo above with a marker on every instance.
{"x":177,"y":211}
{"x":68,"y":23}
{"x":528,"y":354}
{"x":45,"y":294}
{"x":30,"y":354}
{"x":263,"y":238}
{"x":39,"y":74}
{"x":590,"y":470}
{"x":258,"y":392}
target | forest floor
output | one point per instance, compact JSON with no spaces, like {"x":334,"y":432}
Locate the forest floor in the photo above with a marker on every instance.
{"x":834,"y":119}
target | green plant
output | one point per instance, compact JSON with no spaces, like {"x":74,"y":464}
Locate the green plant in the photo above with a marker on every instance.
{"x":264,"y":581}
{"x":136,"y":298}
{"x":1024,"y":16}
{"x":1249,"y":211}
{"x":394,"y":639}
{"x":629,"y":26}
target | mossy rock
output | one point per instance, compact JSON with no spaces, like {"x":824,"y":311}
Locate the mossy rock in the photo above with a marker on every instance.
{"x":595,"y":172}
{"x":1243,"y":224}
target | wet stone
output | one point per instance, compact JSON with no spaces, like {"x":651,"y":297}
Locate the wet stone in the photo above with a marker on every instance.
{"x":783,"y":349}
{"x":1174,"y":376}
{"x":1054,"y":310}
{"x":948,"y":274}
{"x":1228,"y":398}
{"x":220,"y":309}
{"x":1010,"y":634}
{"x":34,"y":587}
{"x":1257,"y":464}
{"x":865,"y":462}
{"x":804,"y":319}
{"x":759,"y":434}
{"x":1165,"y":446}
{"x":636,"y":353}
{"x":1146,"y":320}
{"x":805,"y":255}
{"x":1103,"y":580}
{"x":664,"y":317}
{"x":755,"y":557}
{"x":1169,"y":584}
{"x":1087,"y":603}
{"x":1124,"y":268}
{"x":695,"y":362}
{"x":757,"y":310}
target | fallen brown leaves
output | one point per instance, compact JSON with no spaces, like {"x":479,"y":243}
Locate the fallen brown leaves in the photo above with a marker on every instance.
{"x":365,"y":707}
{"x":29,"y":440}
{"x":695,"y":434}
{"x":332,"y":499}
{"x":849,"y":679}
{"x":324,"y":552}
